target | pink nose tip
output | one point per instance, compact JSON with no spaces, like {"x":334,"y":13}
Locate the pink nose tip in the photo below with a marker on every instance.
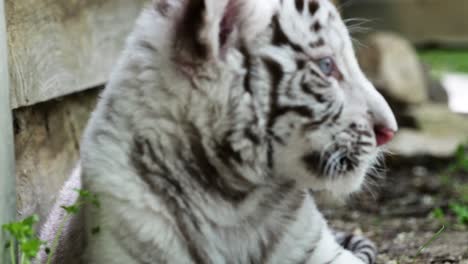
{"x":383,"y":135}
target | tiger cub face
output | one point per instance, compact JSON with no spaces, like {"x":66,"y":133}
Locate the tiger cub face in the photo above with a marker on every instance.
{"x":287,"y":80}
{"x":326,"y":119}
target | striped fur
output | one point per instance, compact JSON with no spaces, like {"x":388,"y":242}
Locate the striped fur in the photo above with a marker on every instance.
{"x":217,"y":119}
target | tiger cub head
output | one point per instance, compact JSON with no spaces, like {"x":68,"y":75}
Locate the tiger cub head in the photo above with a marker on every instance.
{"x":278,"y":84}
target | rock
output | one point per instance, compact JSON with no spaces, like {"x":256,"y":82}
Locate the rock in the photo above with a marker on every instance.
{"x":439,"y":132}
{"x":435,"y":88}
{"x":391,"y":63}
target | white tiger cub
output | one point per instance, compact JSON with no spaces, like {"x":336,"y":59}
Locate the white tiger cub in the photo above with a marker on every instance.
{"x":217,"y":119}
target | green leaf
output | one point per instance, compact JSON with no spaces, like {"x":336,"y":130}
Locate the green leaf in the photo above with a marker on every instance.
{"x":461,"y":211}
{"x":23,"y":229}
{"x":72,"y":209}
{"x":464,"y":164}
{"x":88,"y":196}
{"x":96,"y":230}
{"x":438,"y":214}
{"x":30,"y":221}
{"x":83,"y":193}
{"x":95,"y":201}
{"x":31,"y":247}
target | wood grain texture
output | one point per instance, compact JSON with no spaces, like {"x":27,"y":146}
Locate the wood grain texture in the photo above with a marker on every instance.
{"x":47,"y":137}
{"x":7,"y":178}
{"x":57,"y":47}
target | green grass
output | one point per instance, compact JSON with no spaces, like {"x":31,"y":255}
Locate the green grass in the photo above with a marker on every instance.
{"x":428,"y":243}
{"x":458,"y":204}
{"x":444,"y":60}
{"x":24,"y":239}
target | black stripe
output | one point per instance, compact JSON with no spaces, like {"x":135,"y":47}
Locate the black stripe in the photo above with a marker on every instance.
{"x":225,"y":151}
{"x":356,"y":243}
{"x":308,"y":90}
{"x":337,"y":115}
{"x":249,"y":134}
{"x":147,"y":45}
{"x":369,"y":257}
{"x":300,"y":110}
{"x":321,"y":82}
{"x":300,"y":64}
{"x":364,"y":144}
{"x":366,"y":245}
{"x":313,"y":7}
{"x":152,"y":169}
{"x":299,"y":5}
{"x":316,"y":26}
{"x":247,"y":65}
{"x":205,"y":173}
{"x":319,"y":43}
{"x":276,"y":111}
{"x":270,"y":153}
{"x":346,"y":241}
{"x":316,"y":123}
{"x":280,"y":38}
{"x":197,"y":254}
{"x":276,"y":74}
{"x":176,"y":201}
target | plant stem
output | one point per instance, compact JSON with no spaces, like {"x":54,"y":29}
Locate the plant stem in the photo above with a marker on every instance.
{"x":12,"y":252}
{"x":57,"y":237}
{"x":433,"y":238}
{"x":22,"y":258}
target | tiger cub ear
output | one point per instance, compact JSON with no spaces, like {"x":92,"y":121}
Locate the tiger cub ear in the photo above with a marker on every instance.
{"x":205,"y":29}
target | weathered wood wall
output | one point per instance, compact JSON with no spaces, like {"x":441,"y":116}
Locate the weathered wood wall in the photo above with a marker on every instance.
{"x":47,"y":139}
{"x":7,"y":176}
{"x":58,"y":47}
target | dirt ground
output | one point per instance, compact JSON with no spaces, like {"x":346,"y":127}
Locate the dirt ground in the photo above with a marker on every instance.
{"x":398,"y":215}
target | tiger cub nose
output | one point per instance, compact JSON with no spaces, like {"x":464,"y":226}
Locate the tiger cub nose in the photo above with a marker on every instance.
{"x":383,"y":135}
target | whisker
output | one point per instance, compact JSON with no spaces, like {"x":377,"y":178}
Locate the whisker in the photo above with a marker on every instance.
{"x":324,"y":152}
{"x":359,"y":29}
{"x":343,"y":5}
{"x":333,"y":162}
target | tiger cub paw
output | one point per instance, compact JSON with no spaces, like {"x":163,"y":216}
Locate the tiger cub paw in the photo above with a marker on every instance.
{"x":362,"y":247}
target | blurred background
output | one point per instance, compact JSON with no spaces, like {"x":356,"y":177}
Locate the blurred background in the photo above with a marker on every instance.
{"x":414,"y":51}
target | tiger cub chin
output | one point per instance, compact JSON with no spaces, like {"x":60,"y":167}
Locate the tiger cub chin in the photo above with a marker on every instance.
{"x":218,"y":118}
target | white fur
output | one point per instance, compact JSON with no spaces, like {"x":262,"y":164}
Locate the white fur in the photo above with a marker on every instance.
{"x":155,"y":94}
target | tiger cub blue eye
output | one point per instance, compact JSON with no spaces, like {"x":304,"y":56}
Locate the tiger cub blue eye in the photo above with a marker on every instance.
{"x":326,"y":65}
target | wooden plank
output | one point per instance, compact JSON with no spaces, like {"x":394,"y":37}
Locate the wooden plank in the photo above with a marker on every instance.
{"x":7,"y":176}
{"x":47,"y":137}
{"x":62,"y":46}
